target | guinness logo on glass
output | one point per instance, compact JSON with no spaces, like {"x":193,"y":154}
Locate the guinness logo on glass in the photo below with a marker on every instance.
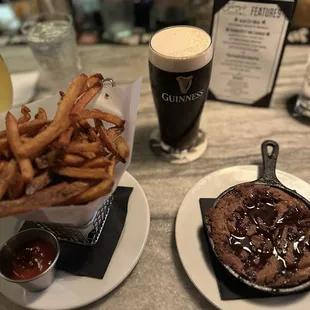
{"x":185,"y":83}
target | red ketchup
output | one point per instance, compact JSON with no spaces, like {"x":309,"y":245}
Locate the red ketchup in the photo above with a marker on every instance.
{"x":32,"y":259}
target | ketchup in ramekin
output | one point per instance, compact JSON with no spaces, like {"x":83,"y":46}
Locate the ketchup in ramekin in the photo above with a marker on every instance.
{"x":31,"y":259}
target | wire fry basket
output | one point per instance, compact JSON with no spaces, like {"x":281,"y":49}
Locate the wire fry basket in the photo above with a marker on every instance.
{"x":88,"y":234}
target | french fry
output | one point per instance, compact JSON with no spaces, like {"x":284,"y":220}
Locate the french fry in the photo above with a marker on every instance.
{"x":25,"y":139}
{"x":77,"y":147}
{"x":106,"y":140}
{"x":6,"y":176}
{"x":84,"y":123}
{"x":82,"y":137}
{"x":3,"y":134}
{"x":114,"y":132}
{"x":98,"y":162}
{"x":35,"y":132}
{"x":26,"y":169}
{"x":27,"y":127}
{"x":2,"y":164}
{"x":55,"y":157}
{"x":16,"y":188}
{"x":87,"y":155}
{"x":38,"y":183}
{"x":97,"y":75}
{"x":15,"y":143}
{"x":26,"y":115}
{"x":104,"y":116}
{"x":4,"y":145}
{"x":7,"y":154}
{"x":41,"y":114}
{"x":122,"y":146}
{"x":60,"y":122}
{"x":70,"y":97}
{"x":50,"y":196}
{"x":79,"y":134}
{"x":73,"y":160}
{"x":42,"y":128}
{"x":42,"y":162}
{"x":83,"y":101}
{"x":111,"y":168}
{"x":65,"y":137}
{"x":94,"y":192}
{"x":82,"y":173}
{"x":93,"y":135}
{"x":92,"y":80}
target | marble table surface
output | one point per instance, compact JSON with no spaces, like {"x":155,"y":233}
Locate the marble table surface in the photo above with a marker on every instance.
{"x":235,"y":133}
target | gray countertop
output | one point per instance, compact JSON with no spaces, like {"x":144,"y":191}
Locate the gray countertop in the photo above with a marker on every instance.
{"x":235,"y":133}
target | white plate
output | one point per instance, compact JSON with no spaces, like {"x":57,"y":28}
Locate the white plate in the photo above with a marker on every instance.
{"x":69,"y":291}
{"x":188,"y":228}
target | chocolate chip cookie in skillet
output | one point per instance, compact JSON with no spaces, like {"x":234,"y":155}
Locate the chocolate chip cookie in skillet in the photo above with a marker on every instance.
{"x":260,"y":231}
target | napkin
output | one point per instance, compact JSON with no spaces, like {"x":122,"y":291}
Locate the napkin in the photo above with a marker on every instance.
{"x":23,"y":86}
{"x":229,"y":287}
{"x":94,"y":261}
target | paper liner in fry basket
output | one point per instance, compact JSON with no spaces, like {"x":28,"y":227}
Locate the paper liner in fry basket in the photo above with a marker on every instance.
{"x":122,"y":101}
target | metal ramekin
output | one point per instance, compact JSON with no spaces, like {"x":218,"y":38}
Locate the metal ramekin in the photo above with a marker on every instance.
{"x":43,"y":280}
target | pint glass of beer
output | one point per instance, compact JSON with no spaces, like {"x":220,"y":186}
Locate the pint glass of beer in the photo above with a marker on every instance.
{"x":180,"y":60}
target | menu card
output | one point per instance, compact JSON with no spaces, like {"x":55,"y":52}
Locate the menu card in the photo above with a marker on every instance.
{"x":248,"y":40}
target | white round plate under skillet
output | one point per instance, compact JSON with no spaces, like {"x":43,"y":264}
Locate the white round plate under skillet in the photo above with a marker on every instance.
{"x":69,"y":291}
{"x":190,"y":244}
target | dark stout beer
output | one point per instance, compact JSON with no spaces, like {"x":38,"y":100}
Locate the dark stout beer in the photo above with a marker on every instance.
{"x":180,"y":67}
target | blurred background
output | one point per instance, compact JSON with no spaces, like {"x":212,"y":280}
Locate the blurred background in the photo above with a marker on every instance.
{"x":94,"y":22}
{"x":126,"y":21}
{"x":105,"y":22}
{"x":114,"y":21}
{"x":129,"y":22}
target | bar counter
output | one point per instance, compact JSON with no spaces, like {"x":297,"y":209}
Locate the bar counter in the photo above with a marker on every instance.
{"x":235,"y":133}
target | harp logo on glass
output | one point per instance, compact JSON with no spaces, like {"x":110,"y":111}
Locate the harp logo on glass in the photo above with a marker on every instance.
{"x":185,"y":83}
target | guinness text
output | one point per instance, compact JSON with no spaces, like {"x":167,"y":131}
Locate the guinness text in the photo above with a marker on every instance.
{"x":185,"y":98}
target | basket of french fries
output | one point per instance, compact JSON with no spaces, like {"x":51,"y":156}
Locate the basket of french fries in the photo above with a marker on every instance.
{"x":62,"y":157}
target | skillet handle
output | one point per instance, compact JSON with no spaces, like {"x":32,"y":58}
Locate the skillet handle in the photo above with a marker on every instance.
{"x":269,"y":162}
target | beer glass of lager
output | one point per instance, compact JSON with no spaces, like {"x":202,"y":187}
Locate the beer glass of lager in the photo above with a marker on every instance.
{"x":180,"y":60}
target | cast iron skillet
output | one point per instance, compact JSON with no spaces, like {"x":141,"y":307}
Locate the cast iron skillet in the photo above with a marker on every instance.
{"x":268,"y":178}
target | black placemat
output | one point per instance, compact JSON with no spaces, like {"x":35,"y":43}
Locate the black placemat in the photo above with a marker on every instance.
{"x":229,"y":287}
{"x":94,"y":261}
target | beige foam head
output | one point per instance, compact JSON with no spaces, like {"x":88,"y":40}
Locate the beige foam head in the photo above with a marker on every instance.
{"x":180,"y":49}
